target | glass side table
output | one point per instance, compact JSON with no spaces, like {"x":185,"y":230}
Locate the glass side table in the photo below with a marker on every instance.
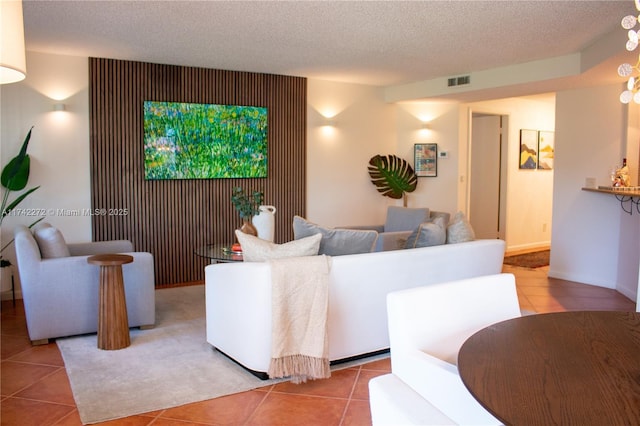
{"x":218,"y":253}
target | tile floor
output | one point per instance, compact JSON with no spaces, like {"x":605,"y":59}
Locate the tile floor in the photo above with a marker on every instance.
{"x":34,"y":388}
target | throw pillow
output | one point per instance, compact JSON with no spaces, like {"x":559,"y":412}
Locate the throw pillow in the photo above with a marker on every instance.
{"x":432,"y":233}
{"x":459,"y":230}
{"x":404,"y":219}
{"x":255,"y":249}
{"x":336,"y":242}
{"x":51,"y":242}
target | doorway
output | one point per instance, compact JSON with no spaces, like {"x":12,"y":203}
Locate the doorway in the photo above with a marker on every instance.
{"x":487,"y":175}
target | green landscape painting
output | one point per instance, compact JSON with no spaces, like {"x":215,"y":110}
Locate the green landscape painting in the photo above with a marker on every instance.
{"x":204,"y":141}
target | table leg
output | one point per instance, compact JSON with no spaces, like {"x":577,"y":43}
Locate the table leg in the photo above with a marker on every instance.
{"x":13,"y":290}
{"x":113,"y":323}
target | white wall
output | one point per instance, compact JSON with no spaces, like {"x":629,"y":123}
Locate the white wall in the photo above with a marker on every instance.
{"x":593,"y":240}
{"x":529,"y":192}
{"x":440,"y":192}
{"x":339,"y":189}
{"x":59,"y":146}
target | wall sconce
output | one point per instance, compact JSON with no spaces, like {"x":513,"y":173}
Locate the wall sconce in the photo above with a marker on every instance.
{"x":13,"y":65}
{"x":59,"y":107}
{"x":328,"y":127}
{"x":425,"y":126}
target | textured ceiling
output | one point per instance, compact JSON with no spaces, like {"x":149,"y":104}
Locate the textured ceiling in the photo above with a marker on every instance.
{"x":378,"y":43}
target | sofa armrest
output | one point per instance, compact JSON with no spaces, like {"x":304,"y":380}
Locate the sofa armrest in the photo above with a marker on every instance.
{"x":100,"y":247}
{"x":66,"y":272}
{"x":238,"y":310}
{"x":394,"y":403}
{"x":439,"y":383}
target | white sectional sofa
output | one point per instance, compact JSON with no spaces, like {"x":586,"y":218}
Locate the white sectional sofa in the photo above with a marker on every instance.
{"x":238,"y":297}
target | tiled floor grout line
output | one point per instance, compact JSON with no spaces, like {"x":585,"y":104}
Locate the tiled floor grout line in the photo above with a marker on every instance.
{"x":341,"y":398}
{"x":63,"y":418}
{"x":42,"y":401}
{"x":13,"y":395}
{"x":156,"y":417}
{"x":353,"y":388}
{"x":255,"y":410}
{"x":33,"y":363}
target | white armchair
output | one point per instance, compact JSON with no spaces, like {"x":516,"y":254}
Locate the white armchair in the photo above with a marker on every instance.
{"x":427,"y":327}
{"x":60,"y":293}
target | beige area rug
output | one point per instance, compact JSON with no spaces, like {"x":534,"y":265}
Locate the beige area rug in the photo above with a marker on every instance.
{"x":167,"y":366}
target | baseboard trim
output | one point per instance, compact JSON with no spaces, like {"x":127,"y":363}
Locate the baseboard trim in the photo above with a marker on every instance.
{"x":358,"y":357}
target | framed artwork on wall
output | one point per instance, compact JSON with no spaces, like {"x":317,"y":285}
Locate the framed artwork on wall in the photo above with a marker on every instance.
{"x":528,"y":149}
{"x":546,"y":149}
{"x":425,"y":159}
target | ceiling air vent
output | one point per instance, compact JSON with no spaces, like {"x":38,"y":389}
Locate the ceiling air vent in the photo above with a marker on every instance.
{"x":459,"y":81}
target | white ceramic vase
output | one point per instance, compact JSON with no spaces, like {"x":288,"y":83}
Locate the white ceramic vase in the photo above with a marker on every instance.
{"x":265,"y":222}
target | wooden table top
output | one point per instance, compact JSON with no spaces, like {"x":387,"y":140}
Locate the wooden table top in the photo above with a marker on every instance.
{"x":110,"y":259}
{"x":579,"y":368}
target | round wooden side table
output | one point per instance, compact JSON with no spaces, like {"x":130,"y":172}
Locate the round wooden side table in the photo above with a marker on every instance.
{"x":113,"y":323}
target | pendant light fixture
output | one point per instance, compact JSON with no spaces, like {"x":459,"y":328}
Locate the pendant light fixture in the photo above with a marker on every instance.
{"x":13,"y":66}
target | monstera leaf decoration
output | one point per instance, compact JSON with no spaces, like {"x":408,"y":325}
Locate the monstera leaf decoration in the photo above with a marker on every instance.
{"x":392,"y":176}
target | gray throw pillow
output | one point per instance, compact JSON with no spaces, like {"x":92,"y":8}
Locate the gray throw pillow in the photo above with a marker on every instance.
{"x":336,"y":242}
{"x":51,"y":242}
{"x":404,"y":219}
{"x":432,"y":233}
{"x":459,"y":230}
{"x":255,"y":249}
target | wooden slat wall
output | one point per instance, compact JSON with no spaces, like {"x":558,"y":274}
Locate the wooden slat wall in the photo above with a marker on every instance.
{"x":171,"y":218}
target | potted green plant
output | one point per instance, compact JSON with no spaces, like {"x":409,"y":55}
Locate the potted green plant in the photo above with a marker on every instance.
{"x":392,"y":176}
{"x":14,"y":177}
{"x":247,"y":206}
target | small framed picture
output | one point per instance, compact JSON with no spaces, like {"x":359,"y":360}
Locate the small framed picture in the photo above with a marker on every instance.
{"x":546,"y":150}
{"x":528,"y":149}
{"x":425,"y":159}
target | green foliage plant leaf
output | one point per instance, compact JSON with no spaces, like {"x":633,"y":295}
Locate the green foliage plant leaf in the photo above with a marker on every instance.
{"x":15,"y":174}
{"x":17,"y":201}
{"x":392,"y":176}
{"x":14,"y":177}
{"x":247,"y":205}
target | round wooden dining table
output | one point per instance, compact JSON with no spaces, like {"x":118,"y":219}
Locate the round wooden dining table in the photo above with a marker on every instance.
{"x":566,"y":368}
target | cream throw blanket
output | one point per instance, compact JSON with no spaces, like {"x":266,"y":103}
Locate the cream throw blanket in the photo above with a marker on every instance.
{"x":300,"y":300}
